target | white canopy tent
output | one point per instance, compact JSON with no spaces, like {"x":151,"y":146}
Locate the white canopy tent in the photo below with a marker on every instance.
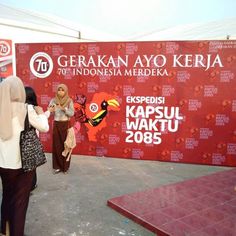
{"x":23,"y":26}
{"x":217,"y":30}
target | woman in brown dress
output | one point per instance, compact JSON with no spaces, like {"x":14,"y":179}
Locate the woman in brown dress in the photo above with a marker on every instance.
{"x":62,"y":108}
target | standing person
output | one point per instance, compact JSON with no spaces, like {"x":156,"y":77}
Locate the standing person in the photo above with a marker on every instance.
{"x":63,"y":108}
{"x":31,"y":100}
{"x":16,"y":183}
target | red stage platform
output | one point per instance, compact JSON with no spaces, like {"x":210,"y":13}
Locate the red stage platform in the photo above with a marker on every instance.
{"x":204,"y":206}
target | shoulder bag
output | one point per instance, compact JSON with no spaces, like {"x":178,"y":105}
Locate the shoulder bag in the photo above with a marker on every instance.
{"x":32,"y":154}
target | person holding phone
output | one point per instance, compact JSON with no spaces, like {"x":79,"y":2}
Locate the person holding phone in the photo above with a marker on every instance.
{"x":31,"y":100}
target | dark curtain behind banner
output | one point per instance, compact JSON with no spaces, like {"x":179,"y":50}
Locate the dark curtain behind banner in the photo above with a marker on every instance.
{"x":168,"y":101}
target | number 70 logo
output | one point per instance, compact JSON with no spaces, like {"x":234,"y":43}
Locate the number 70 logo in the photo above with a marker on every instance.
{"x":41,"y":65}
{"x":5,"y":48}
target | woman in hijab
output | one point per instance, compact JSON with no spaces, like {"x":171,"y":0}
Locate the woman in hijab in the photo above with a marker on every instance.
{"x":16,"y":184}
{"x":63,"y":108}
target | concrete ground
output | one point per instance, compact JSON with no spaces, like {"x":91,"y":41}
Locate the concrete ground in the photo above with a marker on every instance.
{"x":75,"y":204}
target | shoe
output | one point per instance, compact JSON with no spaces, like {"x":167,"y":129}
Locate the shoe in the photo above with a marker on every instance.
{"x":65,"y":173}
{"x":56,"y":171}
{"x":35,"y":186}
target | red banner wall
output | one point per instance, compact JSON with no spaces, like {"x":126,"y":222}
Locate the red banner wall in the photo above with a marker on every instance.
{"x":168,"y":101}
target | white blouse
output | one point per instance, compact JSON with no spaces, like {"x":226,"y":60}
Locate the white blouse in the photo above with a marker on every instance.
{"x":10,"y":149}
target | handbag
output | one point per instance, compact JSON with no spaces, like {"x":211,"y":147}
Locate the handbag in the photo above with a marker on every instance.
{"x":31,"y":149}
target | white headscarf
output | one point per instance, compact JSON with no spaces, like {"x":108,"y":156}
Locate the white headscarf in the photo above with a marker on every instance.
{"x":12,"y":104}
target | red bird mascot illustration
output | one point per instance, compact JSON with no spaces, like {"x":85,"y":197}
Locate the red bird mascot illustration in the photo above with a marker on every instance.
{"x":94,"y":114}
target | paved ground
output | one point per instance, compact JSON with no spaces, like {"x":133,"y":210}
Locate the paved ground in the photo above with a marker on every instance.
{"x":75,"y":204}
